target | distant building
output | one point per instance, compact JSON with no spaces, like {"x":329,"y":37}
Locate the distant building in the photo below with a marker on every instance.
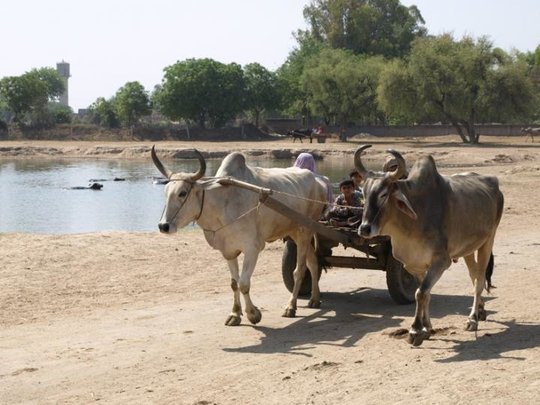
{"x":63,"y":70}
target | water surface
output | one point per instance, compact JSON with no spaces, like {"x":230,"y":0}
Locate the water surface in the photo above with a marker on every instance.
{"x":35,"y":195}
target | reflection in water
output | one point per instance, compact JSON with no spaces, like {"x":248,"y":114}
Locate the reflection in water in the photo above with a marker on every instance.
{"x":35,"y":195}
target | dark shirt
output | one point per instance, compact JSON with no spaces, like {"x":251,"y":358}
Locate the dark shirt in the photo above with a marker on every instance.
{"x":344,"y":210}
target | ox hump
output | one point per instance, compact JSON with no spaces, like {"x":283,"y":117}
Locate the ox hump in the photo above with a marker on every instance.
{"x":233,"y":163}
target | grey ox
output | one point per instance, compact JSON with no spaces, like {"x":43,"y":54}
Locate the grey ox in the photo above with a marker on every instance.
{"x":234,"y":223}
{"x":433,"y":219}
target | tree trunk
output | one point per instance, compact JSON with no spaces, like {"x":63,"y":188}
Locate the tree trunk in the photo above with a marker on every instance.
{"x":460,"y":131}
{"x":342,"y":133}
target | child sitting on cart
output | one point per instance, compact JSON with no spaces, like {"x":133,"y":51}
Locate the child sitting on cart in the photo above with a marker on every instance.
{"x":347,"y":209}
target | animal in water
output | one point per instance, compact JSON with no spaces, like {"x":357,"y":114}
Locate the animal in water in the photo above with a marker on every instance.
{"x":91,"y":186}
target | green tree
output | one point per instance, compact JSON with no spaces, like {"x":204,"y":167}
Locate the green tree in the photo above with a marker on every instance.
{"x":52,"y":80}
{"x":202,"y":90}
{"x":460,"y":82}
{"x":26,"y":96}
{"x":262,"y":92}
{"x":372,"y":27}
{"x":21,"y":94}
{"x":343,"y":86}
{"x":60,"y":113}
{"x":132,"y":103}
{"x":294,"y":99}
{"x":104,"y":113}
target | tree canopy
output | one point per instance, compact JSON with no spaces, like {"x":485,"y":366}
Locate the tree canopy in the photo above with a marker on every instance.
{"x":341,"y":86}
{"x":372,"y":27}
{"x":132,"y":103}
{"x":261,"y":92}
{"x":202,"y":90}
{"x":460,"y":82}
{"x":30,"y":92}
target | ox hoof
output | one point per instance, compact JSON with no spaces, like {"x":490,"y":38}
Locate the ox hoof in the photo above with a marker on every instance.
{"x":233,"y":320}
{"x":314,"y":304}
{"x":416,"y":338}
{"x":472,"y":325}
{"x":254,"y":316}
{"x":289,"y":313}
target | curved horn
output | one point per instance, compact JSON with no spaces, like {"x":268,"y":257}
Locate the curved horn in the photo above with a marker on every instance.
{"x":202,"y":168}
{"x":401,"y":169}
{"x":358,"y":160}
{"x":167,"y":173}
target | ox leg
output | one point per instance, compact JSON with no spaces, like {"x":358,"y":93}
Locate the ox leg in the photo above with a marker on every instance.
{"x":235,"y":317}
{"x":299,"y":272}
{"x":248,"y":266}
{"x":421,"y":328}
{"x":477,"y":272}
{"x":313,"y":266}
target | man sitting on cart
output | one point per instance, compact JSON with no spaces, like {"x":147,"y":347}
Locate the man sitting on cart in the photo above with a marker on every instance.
{"x":347,"y":209}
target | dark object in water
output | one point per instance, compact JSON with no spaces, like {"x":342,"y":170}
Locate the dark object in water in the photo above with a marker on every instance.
{"x":93,"y":186}
{"x":115,"y":179}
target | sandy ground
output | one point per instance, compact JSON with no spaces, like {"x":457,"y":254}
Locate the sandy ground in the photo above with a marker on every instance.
{"x":139,"y":317}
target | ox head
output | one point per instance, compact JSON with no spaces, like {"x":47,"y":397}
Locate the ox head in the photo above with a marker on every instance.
{"x":183,"y":196}
{"x":383,"y":197}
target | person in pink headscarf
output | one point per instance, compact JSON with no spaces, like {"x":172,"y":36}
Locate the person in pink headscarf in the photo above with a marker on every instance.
{"x":307,"y":161}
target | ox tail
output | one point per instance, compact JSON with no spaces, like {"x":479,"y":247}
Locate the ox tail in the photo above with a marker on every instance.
{"x":489,"y":273}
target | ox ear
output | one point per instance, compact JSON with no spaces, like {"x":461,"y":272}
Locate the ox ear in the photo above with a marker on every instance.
{"x":403,"y":204}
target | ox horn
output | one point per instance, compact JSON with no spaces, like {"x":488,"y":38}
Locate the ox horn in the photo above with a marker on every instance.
{"x":401,"y":166}
{"x":358,"y":161}
{"x":202,"y":168}
{"x":166,"y":172}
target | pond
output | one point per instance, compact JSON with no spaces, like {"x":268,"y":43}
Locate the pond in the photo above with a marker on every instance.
{"x":36,"y":197}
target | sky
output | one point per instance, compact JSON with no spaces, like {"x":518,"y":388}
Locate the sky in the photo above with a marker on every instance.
{"x":111,"y":42}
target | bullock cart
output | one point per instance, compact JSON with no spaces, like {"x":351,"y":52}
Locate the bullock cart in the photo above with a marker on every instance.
{"x":376,"y":253}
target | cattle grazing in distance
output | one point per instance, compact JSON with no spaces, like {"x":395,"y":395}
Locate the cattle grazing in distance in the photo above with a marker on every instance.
{"x":432,"y":220}
{"x":300,"y":134}
{"x":234,"y":221}
{"x":530,"y":131}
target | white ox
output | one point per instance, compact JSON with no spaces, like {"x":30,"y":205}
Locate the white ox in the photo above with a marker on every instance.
{"x":234,"y":223}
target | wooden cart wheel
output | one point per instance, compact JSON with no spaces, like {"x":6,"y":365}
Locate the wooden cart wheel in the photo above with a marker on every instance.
{"x":401,"y":284}
{"x":288,"y":264}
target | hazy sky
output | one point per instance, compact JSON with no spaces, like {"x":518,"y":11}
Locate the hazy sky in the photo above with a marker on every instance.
{"x":111,"y":42}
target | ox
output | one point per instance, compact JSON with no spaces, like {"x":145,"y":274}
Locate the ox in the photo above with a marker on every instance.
{"x":233,"y":221}
{"x":433,"y":219}
{"x":529,"y":131}
{"x":300,"y":134}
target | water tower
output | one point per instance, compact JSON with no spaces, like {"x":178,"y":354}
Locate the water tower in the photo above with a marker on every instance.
{"x":63,"y":70}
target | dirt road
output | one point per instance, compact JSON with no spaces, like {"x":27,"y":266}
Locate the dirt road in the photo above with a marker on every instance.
{"x":139,"y":318}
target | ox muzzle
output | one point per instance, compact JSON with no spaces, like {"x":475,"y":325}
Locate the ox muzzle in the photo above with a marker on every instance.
{"x":167,"y":227}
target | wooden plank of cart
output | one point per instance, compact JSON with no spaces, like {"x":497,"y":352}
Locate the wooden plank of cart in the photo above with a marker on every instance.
{"x":377,"y":252}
